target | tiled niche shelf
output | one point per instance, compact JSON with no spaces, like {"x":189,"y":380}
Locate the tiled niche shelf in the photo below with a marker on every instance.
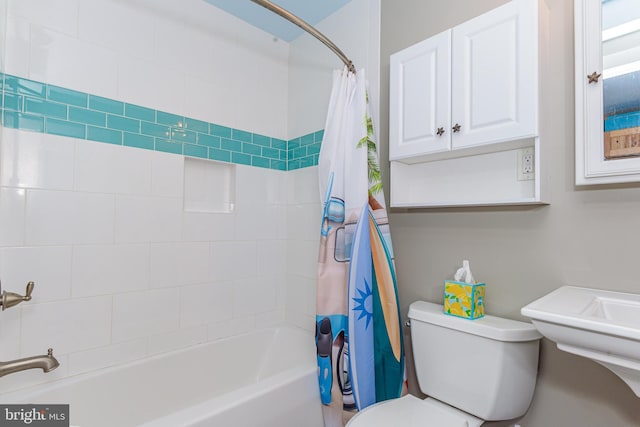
{"x":209,"y":187}
{"x":41,"y":107}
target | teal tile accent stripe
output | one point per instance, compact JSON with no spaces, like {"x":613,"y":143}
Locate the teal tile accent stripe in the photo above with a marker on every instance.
{"x":41,"y":107}
{"x":304,"y":151}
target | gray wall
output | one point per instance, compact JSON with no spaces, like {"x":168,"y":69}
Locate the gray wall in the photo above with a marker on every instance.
{"x":585,"y":237}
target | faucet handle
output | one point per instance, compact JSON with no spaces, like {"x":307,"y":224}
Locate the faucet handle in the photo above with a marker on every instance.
{"x":9,"y":299}
{"x":29,"y":289}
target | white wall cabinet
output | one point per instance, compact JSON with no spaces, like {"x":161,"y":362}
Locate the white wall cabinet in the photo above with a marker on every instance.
{"x":471,"y":91}
{"x":420,"y":97}
{"x":495,"y":76}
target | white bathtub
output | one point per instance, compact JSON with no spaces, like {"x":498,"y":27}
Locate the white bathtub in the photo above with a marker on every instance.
{"x":262,"y":379}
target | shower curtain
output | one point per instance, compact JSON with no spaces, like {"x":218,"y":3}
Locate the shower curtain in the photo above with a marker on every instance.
{"x":358,"y":326}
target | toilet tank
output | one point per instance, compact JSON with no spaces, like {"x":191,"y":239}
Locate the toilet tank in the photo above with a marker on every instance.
{"x":486,"y":367}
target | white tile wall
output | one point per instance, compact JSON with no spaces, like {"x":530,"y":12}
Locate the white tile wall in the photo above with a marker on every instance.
{"x":271,"y":255}
{"x":304,"y":220}
{"x":10,"y":335}
{"x":142,"y":314}
{"x":258,"y":221}
{"x":166,"y":175}
{"x":3,"y":19}
{"x":254,"y":295}
{"x":186,"y":58}
{"x":203,"y":93}
{"x":109,"y":269}
{"x":69,"y":62}
{"x":49,"y":267}
{"x":178,"y":264}
{"x":261,"y":209}
{"x":65,"y":217}
{"x":67,"y":326}
{"x":17,"y":45}
{"x":121,"y":270}
{"x":222,"y":255}
{"x":139,"y":81}
{"x":147,"y":218}
{"x":61,"y":16}
{"x":303,"y":216}
{"x":205,"y":304}
{"x":95,"y":270}
{"x":106,"y":168}
{"x":12,"y":207}
{"x":135,"y":29}
{"x":298,"y":260}
{"x":208,"y":227}
{"x":34,"y":161}
{"x":254,"y":187}
{"x":303,"y":187}
{"x":243,"y":259}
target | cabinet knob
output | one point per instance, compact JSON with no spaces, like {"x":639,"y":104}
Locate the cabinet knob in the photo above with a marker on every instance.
{"x":456,"y":128}
{"x":593,"y":77}
{"x":440,"y":131}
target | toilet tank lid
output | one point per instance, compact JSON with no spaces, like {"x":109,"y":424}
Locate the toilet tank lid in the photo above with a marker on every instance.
{"x":493,"y":327}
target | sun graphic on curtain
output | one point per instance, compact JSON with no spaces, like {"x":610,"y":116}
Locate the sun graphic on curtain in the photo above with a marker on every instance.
{"x":364,"y":304}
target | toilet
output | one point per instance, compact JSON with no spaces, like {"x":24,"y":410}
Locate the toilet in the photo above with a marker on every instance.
{"x":472,"y":370}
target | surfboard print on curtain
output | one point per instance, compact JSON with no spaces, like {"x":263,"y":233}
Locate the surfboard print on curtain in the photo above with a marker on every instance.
{"x":358,"y":326}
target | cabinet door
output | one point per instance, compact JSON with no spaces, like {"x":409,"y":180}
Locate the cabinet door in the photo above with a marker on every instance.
{"x":495,"y":76}
{"x":420,"y":93}
{"x":607,"y":75}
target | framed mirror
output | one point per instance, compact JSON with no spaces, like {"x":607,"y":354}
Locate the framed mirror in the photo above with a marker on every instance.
{"x":607,"y":50}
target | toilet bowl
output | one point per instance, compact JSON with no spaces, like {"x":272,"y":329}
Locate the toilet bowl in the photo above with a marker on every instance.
{"x":409,"y":411}
{"x":472,"y":370}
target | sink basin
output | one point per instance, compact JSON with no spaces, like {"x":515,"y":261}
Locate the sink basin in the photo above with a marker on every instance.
{"x":616,"y":311}
{"x":601,"y":325}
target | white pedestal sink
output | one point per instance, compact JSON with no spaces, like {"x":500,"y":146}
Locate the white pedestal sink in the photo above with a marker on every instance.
{"x":601,"y":325}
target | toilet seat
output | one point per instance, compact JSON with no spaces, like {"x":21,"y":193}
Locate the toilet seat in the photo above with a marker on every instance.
{"x":409,"y":411}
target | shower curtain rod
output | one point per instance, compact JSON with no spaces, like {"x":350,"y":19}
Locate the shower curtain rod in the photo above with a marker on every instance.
{"x":308,"y":28}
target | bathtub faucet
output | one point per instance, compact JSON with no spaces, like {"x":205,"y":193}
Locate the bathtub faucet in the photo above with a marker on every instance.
{"x":9,"y":299}
{"x":46,"y":363}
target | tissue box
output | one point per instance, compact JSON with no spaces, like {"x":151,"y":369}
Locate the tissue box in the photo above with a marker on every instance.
{"x":464,"y":299}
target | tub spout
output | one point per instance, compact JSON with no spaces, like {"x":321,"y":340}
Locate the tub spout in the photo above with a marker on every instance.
{"x":46,"y":363}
